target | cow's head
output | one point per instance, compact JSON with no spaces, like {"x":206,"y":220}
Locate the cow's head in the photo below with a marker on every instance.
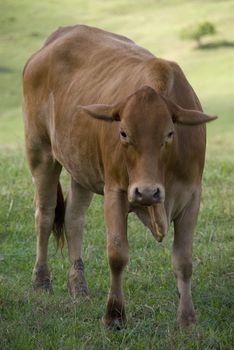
{"x":146,"y":131}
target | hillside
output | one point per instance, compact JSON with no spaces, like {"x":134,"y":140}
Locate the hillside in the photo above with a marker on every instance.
{"x":24,"y":26}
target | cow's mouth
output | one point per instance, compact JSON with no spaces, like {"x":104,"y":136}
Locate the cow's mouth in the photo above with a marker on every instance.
{"x":154,"y":217}
{"x":158,"y":221}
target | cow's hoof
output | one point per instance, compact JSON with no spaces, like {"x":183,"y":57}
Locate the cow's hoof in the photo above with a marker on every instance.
{"x":186,"y":319}
{"x":76,"y":282}
{"x":41,"y":279}
{"x":114,"y":317}
{"x":77,"y":287}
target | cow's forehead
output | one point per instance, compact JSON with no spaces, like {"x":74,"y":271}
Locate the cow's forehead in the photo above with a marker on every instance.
{"x":145,"y":95}
{"x":147,"y":109}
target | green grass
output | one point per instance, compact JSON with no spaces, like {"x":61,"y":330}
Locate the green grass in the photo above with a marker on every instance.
{"x":39,"y":321}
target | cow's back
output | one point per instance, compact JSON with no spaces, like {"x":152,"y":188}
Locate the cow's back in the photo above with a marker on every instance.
{"x":96,"y":66}
{"x":84,"y":60}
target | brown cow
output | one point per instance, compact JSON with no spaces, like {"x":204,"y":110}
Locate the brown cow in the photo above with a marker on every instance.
{"x":124,"y":124}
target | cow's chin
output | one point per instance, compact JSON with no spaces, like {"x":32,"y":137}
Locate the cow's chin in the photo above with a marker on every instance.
{"x":155,"y":218}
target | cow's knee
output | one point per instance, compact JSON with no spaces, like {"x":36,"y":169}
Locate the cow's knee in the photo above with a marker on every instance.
{"x":117,"y":255}
{"x":183,"y":270}
{"x":44,"y":218}
{"x":117,"y":262}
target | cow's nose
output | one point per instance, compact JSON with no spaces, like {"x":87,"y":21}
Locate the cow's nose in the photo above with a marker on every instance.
{"x":146,"y":195}
{"x":138,"y":194}
{"x":157,"y":193}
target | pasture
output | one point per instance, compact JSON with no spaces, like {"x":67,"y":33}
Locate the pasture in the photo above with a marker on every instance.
{"x":31,"y":320}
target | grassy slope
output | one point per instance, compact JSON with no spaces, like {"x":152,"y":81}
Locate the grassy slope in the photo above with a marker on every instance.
{"x":36,"y":322}
{"x":25,"y":25}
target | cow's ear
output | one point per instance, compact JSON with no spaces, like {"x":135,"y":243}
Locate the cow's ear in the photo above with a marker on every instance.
{"x":188,"y":116}
{"x":109,"y":113}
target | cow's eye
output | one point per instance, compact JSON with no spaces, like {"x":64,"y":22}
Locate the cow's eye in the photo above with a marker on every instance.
{"x":170,"y":134}
{"x":123,"y":134}
{"x":124,"y":138}
{"x":168,"y":138}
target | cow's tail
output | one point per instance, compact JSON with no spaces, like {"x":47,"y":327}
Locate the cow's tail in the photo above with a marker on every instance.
{"x":58,"y":225}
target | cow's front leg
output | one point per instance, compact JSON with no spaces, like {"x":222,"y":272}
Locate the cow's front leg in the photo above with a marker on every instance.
{"x":182,"y":260}
{"x":116,"y":211}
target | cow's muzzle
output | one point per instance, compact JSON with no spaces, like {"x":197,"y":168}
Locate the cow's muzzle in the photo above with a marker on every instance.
{"x":146,"y":195}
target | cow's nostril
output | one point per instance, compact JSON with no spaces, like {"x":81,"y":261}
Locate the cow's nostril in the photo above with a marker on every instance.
{"x":156,"y":194}
{"x":138,"y":194}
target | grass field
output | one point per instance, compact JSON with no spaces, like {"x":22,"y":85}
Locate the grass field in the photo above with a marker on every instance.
{"x":40,"y":321}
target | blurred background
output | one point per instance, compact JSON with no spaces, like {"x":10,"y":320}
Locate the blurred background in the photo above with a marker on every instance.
{"x":168,"y":28}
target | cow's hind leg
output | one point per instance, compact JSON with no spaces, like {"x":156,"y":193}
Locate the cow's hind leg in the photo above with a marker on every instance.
{"x":77,"y":203}
{"x":182,"y":260}
{"x":45,"y":171}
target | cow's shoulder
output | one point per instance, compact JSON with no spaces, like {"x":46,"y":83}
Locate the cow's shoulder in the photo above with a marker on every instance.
{"x":161,"y":75}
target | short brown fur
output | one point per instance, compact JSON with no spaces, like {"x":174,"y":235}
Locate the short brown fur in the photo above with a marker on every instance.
{"x":126,"y":125}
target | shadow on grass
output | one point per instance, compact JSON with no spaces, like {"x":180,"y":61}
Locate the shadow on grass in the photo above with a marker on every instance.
{"x":216,"y":45}
{"x":4,"y":70}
